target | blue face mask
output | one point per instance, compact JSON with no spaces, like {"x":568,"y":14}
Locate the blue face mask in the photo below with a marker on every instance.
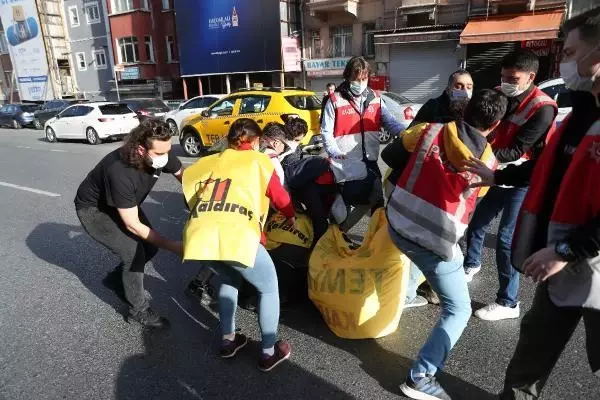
{"x":358,"y":87}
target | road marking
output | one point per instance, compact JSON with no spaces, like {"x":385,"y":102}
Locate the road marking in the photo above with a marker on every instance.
{"x":190,"y":315}
{"x":23,"y":147}
{"x":57,"y":151}
{"x":28,"y":189}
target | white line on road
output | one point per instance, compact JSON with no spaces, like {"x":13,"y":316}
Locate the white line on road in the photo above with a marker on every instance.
{"x":23,"y":147}
{"x":58,"y":151}
{"x":28,"y":189}
{"x":190,"y":315}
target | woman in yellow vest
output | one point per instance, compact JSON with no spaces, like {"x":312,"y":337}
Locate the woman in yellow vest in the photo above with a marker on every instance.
{"x":228,"y":195}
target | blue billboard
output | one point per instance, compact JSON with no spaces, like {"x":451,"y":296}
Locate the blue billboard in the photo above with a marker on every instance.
{"x":225,"y":36}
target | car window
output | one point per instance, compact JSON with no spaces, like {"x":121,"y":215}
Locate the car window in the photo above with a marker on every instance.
{"x":304,"y":102}
{"x":12,"y":109}
{"x":194,"y":103}
{"x":133,"y":105}
{"x":115,"y":109}
{"x":29,"y":108}
{"x":4,"y":108}
{"x":153,"y":103}
{"x":559,"y":93}
{"x":84,"y":110}
{"x":254,"y":104}
{"x":208,"y":101}
{"x":224,"y":107}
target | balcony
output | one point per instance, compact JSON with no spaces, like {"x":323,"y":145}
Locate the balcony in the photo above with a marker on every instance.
{"x":327,"y":6}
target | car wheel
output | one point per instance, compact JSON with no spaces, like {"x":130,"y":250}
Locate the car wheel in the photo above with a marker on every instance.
{"x":92,"y":136}
{"x":51,"y":135}
{"x":192,"y":144}
{"x":384,"y":136}
{"x":173,"y":127}
{"x":16,"y":124}
{"x":37,"y":124}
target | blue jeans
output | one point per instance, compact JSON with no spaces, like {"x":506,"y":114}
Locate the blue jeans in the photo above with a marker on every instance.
{"x":447,"y":278}
{"x":264,"y":278}
{"x":508,"y":201}
{"x":414,"y":276}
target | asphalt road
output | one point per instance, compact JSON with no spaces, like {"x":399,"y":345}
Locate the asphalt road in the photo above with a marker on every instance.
{"x":63,"y":338}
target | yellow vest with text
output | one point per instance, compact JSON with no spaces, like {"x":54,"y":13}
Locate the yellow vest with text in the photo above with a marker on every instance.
{"x":226,"y":195}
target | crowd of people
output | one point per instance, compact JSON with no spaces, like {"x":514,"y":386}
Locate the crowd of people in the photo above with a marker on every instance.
{"x":469,"y":155}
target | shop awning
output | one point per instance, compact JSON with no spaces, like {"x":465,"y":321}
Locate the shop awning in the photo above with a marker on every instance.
{"x":431,"y":33}
{"x":499,"y":29}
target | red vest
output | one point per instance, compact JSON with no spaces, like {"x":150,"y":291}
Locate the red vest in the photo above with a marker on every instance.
{"x":508,"y":129}
{"x":431,"y":204}
{"x":578,"y":200}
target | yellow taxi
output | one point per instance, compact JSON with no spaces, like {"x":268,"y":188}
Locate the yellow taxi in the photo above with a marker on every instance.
{"x":199,"y":132}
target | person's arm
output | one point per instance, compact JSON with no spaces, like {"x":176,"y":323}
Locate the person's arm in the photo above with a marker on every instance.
{"x":530,"y":135}
{"x":327,"y":126}
{"x":280,"y":198}
{"x":131,"y":219}
{"x":389,"y":122}
{"x":174,"y":167}
{"x":512,"y":175}
{"x":397,"y":153}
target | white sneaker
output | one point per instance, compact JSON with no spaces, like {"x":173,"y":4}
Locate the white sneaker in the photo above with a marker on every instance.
{"x":470,"y":272}
{"x":496,"y":312}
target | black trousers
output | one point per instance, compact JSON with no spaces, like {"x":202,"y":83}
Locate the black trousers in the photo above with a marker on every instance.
{"x":108,"y":229}
{"x":545,"y":331}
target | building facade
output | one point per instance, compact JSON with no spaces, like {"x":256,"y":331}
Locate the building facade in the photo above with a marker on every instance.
{"x":91,"y":50}
{"x":144,"y":43}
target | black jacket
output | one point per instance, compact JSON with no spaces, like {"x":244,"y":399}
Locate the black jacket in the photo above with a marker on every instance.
{"x":434,"y":110}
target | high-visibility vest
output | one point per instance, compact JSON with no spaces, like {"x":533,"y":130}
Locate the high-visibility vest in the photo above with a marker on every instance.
{"x":431,"y":204}
{"x":226,"y":195}
{"x":577,"y":203}
{"x":504,"y":135}
{"x":356,"y":135}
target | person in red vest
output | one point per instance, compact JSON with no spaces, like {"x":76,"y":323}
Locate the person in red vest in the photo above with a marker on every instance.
{"x":557,"y":240}
{"x":352,"y":119}
{"x":521,"y":136}
{"x":428,"y":212}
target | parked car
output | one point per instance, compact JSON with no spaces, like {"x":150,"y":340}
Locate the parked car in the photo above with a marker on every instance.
{"x":147,"y":107}
{"x":400,"y":107}
{"x":190,"y":107}
{"x":50,"y":109}
{"x":556,"y":89}
{"x":199,"y":132}
{"x":93,"y":122}
{"x":17,"y":115}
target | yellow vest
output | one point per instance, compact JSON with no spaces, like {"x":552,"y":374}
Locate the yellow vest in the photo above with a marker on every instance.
{"x":226,"y":195}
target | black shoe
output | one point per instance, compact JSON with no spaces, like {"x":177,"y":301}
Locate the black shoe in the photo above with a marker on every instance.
{"x":149,"y":318}
{"x":114,"y":282}
{"x":201,"y":290}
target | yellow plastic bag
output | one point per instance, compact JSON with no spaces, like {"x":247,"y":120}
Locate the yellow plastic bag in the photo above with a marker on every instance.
{"x":360,"y":293}
{"x":278,"y":232}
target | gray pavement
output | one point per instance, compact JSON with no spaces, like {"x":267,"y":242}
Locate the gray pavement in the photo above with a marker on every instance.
{"x":63,"y":337}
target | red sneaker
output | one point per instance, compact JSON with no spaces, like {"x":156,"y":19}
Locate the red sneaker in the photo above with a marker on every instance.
{"x":229,"y":348}
{"x":283,"y":351}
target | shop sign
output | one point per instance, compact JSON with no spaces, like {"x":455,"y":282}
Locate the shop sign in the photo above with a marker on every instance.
{"x":540,"y":48}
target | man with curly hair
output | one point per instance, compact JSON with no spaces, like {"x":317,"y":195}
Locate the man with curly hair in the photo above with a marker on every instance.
{"x":108,"y":206}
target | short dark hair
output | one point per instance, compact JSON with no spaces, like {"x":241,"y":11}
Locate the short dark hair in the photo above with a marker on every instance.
{"x":330,"y":84}
{"x":486,"y":107}
{"x":274,"y":130}
{"x":243,"y":130}
{"x":144,"y":134}
{"x":522,"y":60}
{"x":295,"y":127}
{"x":457,"y":73}
{"x":355,"y":66}
{"x":457,"y":109}
{"x":588,"y":25}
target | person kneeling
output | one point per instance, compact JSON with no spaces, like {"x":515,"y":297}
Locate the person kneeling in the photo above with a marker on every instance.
{"x":428,"y":212}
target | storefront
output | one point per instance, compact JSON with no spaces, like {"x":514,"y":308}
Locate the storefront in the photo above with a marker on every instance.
{"x":489,"y":40}
{"x":320,"y":72}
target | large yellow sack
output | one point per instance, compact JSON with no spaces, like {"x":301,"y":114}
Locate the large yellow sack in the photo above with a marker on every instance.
{"x":360,"y":292}
{"x":278,"y":232}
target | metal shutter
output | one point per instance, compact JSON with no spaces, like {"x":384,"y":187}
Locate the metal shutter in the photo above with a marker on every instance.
{"x":484,"y":62}
{"x":420,"y":71}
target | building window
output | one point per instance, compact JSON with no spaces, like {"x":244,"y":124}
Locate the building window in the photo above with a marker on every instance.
{"x":92,"y":13}
{"x":99,"y":59}
{"x":128,"y":50}
{"x":171,"y":53}
{"x":368,"y":40}
{"x":315,"y":45}
{"x":149,"y":48}
{"x":3,"y":44}
{"x":80,"y":60}
{"x":419,"y":19}
{"x":166,"y":5}
{"x":122,"y":5}
{"x":145,"y":5}
{"x":341,"y":38}
{"x":73,"y":16}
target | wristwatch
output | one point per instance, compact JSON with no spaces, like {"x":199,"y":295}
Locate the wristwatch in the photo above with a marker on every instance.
{"x":563,"y":249}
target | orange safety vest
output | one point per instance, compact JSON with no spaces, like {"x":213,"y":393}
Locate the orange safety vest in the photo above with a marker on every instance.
{"x":431,"y":204}
{"x":508,"y":129}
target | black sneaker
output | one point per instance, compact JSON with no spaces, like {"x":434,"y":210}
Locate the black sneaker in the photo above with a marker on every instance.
{"x":202,"y":290}
{"x":229,"y":348}
{"x":423,"y":388}
{"x":114,"y":282}
{"x":149,"y":318}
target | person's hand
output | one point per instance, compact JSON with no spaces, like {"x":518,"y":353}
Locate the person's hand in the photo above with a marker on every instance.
{"x":542,"y":264}
{"x":177,"y":248}
{"x":291,"y":221}
{"x":478,"y":167}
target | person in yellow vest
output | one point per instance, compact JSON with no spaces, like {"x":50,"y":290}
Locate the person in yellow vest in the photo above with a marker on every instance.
{"x":428,"y":212}
{"x":228,"y":195}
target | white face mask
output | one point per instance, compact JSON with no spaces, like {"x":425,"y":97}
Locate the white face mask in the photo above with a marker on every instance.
{"x":293,"y":145}
{"x":358,"y":87}
{"x":159,"y":162}
{"x":569,"y":72}
{"x":460,"y":94}
{"x":511,"y":89}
